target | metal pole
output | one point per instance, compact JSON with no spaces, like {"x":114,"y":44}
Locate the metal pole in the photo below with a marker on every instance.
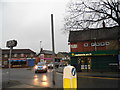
{"x":53,"y":51}
{"x":9,"y":63}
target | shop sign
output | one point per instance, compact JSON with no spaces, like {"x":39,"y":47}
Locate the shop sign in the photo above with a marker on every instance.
{"x":88,"y":54}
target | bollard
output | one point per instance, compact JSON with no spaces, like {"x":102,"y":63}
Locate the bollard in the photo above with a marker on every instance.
{"x":69,"y":78}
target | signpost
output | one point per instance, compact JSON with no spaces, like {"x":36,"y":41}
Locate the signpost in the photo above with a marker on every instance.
{"x":10,"y":44}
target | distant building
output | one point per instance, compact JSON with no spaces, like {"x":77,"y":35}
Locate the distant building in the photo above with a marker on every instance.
{"x":95,"y":49}
{"x":19,"y":57}
{"x":63,"y":55}
{"x":46,"y":55}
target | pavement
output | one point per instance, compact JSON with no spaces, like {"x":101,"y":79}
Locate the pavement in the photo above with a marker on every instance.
{"x":103,"y":75}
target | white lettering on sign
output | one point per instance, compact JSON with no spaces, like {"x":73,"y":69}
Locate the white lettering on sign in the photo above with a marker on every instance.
{"x":89,"y":54}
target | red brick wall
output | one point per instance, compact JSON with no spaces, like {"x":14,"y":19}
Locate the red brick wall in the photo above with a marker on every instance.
{"x":81,"y":48}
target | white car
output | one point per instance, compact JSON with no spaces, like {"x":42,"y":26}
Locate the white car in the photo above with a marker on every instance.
{"x":50,"y":65}
{"x":41,"y":67}
{"x":61,"y":67}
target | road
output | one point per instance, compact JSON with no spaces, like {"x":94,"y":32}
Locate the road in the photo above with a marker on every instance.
{"x":44,"y":80}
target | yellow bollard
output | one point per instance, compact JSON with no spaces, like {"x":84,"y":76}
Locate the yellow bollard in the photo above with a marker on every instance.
{"x":69,"y":78}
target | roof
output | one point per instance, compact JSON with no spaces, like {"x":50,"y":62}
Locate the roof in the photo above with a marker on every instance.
{"x":48,"y":52}
{"x":98,"y":34}
{"x":18,"y":51}
{"x":64,"y":53}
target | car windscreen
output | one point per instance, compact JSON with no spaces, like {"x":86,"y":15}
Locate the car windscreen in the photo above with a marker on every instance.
{"x":41,"y":64}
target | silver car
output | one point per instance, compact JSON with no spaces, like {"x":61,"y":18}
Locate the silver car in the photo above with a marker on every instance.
{"x":41,"y":67}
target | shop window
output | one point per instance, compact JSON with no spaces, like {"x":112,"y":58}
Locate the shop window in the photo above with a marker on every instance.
{"x":85,"y":44}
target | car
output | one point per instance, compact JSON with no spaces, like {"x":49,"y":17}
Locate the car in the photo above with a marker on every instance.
{"x":50,"y":65}
{"x":41,"y":67}
{"x":61,"y":67}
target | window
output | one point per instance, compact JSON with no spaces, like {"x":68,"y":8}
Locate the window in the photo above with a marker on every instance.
{"x":31,"y":55}
{"x":107,"y":43}
{"x":15,"y":55}
{"x":73,"y":46}
{"x":92,"y":44}
{"x":5,"y":55}
{"x":97,"y":44}
{"x":102,"y":44}
{"x":22,"y":55}
{"x":85,"y":44}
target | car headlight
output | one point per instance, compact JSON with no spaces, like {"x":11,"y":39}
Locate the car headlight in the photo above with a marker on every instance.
{"x":36,"y":67}
{"x":44,"y":67}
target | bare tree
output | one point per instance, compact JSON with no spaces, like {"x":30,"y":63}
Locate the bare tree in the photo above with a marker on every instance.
{"x":92,"y":14}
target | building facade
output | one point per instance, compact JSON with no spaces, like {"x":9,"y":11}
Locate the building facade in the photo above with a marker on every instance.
{"x":19,"y":57}
{"x":95,"y":49}
{"x":63,"y":57}
{"x":45,"y":55}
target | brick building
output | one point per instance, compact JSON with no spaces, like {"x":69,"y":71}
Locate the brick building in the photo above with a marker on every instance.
{"x":95,"y":49}
{"x":45,"y":55}
{"x":19,"y":57}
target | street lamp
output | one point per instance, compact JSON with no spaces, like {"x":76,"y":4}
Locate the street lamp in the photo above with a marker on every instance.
{"x":40,"y":45}
{"x":53,"y":49}
{"x":10,"y":44}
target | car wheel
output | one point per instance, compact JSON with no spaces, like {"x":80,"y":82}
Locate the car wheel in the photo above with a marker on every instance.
{"x":35,"y":71}
{"x":45,"y":71}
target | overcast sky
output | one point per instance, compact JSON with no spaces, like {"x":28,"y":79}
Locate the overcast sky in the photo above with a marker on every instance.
{"x":28,"y":22}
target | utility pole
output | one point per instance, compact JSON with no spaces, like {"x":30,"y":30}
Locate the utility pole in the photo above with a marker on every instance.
{"x":53,"y":49}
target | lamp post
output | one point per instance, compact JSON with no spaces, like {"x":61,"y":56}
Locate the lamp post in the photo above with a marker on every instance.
{"x":53,"y":49}
{"x":40,"y":45}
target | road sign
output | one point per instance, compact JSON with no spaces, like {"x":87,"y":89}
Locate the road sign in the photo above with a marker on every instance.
{"x":73,"y":71}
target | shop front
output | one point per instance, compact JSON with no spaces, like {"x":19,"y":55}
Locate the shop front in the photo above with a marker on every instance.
{"x":18,"y":63}
{"x":22,"y":62}
{"x":101,"y":61}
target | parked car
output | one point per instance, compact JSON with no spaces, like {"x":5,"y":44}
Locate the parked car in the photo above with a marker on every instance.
{"x":41,"y":67}
{"x":50,"y":65}
{"x":61,"y":67}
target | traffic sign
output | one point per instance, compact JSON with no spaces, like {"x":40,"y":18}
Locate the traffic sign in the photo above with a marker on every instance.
{"x":73,"y":71}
